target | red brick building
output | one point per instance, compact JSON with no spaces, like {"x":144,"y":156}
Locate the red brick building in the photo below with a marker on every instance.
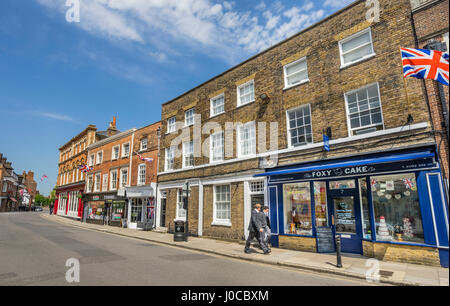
{"x":431,"y":23}
{"x":121,"y":188}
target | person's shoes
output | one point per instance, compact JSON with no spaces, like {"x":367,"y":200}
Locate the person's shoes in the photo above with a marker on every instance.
{"x":247,"y":251}
{"x":266,"y":252}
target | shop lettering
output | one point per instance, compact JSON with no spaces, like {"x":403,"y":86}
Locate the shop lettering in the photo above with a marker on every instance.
{"x":356,"y":170}
{"x":323,"y":173}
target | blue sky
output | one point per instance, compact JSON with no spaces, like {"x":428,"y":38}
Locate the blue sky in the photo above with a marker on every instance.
{"x":124,"y":58}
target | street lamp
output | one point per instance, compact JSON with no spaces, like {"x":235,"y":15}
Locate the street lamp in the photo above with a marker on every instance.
{"x":186,"y":192}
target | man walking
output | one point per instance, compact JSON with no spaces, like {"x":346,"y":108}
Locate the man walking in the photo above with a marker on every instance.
{"x":256,"y":229}
{"x":268,"y":228}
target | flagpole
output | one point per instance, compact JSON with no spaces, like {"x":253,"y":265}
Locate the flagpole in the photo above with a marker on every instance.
{"x":404,"y":84}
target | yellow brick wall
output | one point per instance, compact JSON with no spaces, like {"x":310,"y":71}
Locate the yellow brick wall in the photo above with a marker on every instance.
{"x":297,"y":243}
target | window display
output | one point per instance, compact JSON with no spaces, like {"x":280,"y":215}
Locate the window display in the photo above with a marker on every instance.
{"x":344,"y":211}
{"x":347,"y":184}
{"x":297,"y":209}
{"x":118,"y":209}
{"x":96,"y":210}
{"x":320,"y":199}
{"x":367,"y":229}
{"x":397,"y":209}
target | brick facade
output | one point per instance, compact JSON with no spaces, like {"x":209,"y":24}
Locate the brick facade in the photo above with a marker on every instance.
{"x":324,"y":92}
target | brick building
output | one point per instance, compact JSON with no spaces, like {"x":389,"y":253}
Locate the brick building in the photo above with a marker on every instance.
{"x":70,"y":184}
{"x":121,"y":187}
{"x":431,"y":25}
{"x":13,"y":190}
{"x":341,"y":77}
{"x":30,"y":187}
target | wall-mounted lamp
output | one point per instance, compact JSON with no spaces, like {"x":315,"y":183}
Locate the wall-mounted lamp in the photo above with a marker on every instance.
{"x":264,"y":96}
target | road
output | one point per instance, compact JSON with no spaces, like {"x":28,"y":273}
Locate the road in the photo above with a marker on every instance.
{"x":34,"y":251}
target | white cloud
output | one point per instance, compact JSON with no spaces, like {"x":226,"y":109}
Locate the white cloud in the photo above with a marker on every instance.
{"x":215,"y":29}
{"x":337,"y":3}
{"x":54,"y":116}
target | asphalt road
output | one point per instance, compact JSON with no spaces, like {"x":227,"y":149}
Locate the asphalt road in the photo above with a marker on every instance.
{"x":34,"y":251}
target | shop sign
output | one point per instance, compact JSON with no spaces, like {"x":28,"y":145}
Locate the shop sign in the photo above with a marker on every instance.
{"x":109,"y":197}
{"x":360,"y":170}
{"x":95,"y":198}
{"x":325,"y":240}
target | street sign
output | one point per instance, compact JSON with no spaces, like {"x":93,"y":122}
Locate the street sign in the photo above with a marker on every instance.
{"x":326,"y":143}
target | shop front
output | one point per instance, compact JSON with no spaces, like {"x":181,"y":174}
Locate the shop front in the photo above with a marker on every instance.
{"x":141,"y":206}
{"x":391,"y":206}
{"x":106,"y":209}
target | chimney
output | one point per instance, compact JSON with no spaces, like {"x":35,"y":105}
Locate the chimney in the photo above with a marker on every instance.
{"x":112,"y":128}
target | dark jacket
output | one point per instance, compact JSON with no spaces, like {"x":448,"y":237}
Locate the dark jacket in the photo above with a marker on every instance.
{"x":256,"y":222}
{"x":268,"y":221}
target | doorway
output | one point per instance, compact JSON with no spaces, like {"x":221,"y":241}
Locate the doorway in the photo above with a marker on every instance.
{"x":163,"y":213}
{"x":345,"y":212}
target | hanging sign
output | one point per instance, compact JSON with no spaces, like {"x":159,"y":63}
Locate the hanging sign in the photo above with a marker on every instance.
{"x":326,"y":143}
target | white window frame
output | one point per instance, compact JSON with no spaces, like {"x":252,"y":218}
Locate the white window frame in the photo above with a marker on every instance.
{"x":288,"y":126}
{"x":144,"y":141}
{"x":113,"y":157}
{"x":105,"y":183}
{"x":347,"y":110}
{"x":178,"y":210}
{"x":286,"y":85}
{"x":111,"y":181}
{"x":211,"y":149}
{"x":123,"y":149}
{"x":92,"y":160}
{"x":185,"y":154}
{"x":99,"y":176}
{"x":216,"y":221}
{"x":166,"y":158}
{"x":141,"y":166}
{"x":121,"y":181}
{"x":171,"y":126}
{"x":239,"y":93}
{"x":353,"y":36}
{"x":212,"y":114}
{"x":99,"y":159}
{"x":239,"y":139}
{"x":191,"y":118}
{"x":90,"y":183}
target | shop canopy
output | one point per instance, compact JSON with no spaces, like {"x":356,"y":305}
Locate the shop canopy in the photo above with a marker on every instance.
{"x":353,"y":163}
{"x":139,"y":192}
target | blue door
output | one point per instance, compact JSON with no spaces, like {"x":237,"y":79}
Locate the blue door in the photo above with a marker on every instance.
{"x":346,"y":215}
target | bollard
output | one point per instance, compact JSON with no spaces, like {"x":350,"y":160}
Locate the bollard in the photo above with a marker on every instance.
{"x":338,"y":251}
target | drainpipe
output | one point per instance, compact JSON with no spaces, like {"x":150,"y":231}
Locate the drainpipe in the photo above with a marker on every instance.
{"x":157,"y":215}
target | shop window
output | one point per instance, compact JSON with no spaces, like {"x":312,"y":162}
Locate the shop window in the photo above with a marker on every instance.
{"x":297,"y":209}
{"x":96,"y":211}
{"x":320,"y":199}
{"x":117,"y":211}
{"x":397,"y":209}
{"x":365,"y":216}
{"x":346,"y":184}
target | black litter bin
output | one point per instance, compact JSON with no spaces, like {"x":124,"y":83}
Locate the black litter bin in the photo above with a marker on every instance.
{"x":179,"y":234}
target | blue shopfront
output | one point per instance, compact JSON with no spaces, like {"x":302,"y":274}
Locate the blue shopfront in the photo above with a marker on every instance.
{"x":390,"y":205}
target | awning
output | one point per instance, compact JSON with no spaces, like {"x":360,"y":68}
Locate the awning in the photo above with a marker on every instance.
{"x":139,"y":192}
{"x":353,"y":163}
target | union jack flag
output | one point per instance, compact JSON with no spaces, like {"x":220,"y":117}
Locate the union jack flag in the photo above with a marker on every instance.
{"x":373,"y":182}
{"x":408,"y":183}
{"x":85,"y":168}
{"x":146,"y":159}
{"x":425,"y":64}
{"x":44,"y":177}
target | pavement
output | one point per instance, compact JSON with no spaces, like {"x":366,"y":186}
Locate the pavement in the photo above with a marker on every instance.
{"x":354,"y":266}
